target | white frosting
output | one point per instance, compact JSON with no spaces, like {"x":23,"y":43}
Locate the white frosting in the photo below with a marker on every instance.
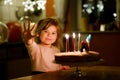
{"x":77,"y":53}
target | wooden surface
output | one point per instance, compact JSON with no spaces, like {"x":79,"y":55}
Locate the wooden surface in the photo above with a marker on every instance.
{"x":88,"y":73}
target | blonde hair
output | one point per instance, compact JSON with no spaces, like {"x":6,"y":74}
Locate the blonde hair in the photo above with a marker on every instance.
{"x":44,"y":24}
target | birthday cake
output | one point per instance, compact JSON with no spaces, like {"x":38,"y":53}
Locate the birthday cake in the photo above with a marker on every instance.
{"x":77,"y":56}
{"x":82,"y":55}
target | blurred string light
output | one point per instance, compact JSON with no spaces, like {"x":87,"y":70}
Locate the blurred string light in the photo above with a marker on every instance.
{"x":8,"y":2}
{"x":100,"y":6}
{"x":89,"y":7}
{"x":29,"y":5}
{"x":115,"y":15}
{"x":41,"y":4}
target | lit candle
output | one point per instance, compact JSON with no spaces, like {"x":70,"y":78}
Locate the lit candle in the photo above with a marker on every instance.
{"x":88,"y":39}
{"x":74,"y":42}
{"x":67,"y":42}
{"x":79,"y":35}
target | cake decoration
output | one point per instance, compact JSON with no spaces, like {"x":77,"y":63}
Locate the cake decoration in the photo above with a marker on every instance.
{"x":67,"y":42}
{"x":74,"y":42}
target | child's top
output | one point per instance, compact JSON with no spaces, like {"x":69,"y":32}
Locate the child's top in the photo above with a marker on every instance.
{"x":42,"y":57}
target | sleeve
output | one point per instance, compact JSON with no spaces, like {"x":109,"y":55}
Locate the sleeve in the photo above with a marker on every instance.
{"x":32,"y":49}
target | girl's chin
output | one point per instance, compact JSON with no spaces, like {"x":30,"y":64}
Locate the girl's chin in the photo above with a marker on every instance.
{"x":46,"y":43}
{"x":49,"y":43}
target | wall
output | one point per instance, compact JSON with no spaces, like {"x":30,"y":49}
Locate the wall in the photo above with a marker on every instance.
{"x":108,"y":45}
{"x":8,"y":12}
{"x":50,"y":8}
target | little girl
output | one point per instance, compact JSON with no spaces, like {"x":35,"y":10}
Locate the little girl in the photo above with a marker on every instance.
{"x":48,"y":43}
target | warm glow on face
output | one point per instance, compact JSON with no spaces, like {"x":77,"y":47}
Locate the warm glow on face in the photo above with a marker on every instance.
{"x":49,"y":35}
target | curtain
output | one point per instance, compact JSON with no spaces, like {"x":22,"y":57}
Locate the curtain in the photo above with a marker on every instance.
{"x":60,"y":7}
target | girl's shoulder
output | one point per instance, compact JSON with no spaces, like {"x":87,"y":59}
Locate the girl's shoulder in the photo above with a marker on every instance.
{"x":56,"y":48}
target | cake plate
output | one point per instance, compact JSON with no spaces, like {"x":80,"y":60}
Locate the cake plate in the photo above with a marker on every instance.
{"x":78,"y":73}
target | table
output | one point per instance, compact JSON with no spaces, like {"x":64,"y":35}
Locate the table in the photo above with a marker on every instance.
{"x":78,"y":64}
{"x":92,"y":73}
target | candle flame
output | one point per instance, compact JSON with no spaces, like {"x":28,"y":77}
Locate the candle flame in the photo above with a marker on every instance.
{"x":79,"y":35}
{"x":73,"y":35}
{"x":88,"y":38}
{"x":67,"y":36}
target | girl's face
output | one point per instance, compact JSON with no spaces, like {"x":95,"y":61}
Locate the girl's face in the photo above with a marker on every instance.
{"x":49,"y":35}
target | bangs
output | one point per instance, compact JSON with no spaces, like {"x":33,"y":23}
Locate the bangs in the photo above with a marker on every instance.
{"x":45,"y":23}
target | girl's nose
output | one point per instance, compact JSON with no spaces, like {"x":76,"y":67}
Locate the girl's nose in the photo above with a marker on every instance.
{"x":49,"y":34}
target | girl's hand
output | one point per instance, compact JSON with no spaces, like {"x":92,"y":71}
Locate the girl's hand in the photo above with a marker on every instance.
{"x":28,"y":34}
{"x":65,"y":67}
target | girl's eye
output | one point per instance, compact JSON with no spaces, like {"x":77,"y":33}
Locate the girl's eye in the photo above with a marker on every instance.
{"x":45,"y":31}
{"x":54,"y":33}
